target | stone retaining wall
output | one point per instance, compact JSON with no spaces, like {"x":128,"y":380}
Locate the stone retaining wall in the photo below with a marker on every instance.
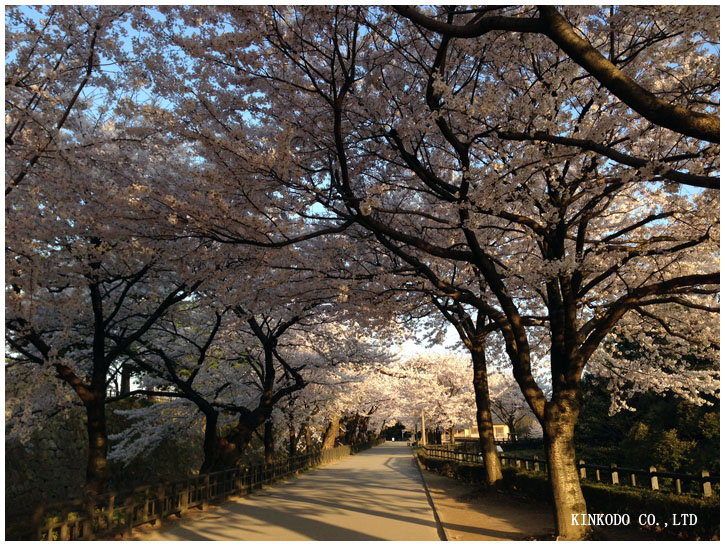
{"x":51,"y":466}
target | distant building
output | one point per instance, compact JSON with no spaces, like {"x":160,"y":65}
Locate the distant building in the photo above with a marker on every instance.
{"x":501,"y":432}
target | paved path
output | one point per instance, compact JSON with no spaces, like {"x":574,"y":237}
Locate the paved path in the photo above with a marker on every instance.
{"x":374,"y":495}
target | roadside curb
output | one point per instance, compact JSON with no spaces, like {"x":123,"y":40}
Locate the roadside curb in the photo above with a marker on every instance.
{"x":439,"y":524}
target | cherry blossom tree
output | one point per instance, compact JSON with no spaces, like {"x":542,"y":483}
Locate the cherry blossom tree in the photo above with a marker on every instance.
{"x":509,"y":404}
{"x":650,"y":353}
{"x":229,"y":368}
{"x":438,"y":385}
{"x":226,"y":375}
{"x":57,"y":68}
{"x":243,"y":346}
{"x":648,"y":27}
{"x":347,"y":397}
{"x":81,"y":285}
{"x":75,"y":304}
{"x":542,"y":183}
{"x":504,"y":174}
{"x":83,"y":282}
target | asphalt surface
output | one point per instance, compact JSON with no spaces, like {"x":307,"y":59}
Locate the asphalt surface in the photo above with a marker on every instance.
{"x":377,"y":494}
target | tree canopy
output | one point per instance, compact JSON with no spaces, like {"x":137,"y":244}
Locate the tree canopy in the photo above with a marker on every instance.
{"x":544,"y":178}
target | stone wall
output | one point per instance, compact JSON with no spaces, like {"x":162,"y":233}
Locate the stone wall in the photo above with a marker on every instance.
{"x":50,"y":467}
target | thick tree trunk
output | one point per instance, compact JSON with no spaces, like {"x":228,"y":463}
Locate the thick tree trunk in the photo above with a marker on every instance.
{"x":126,"y":370}
{"x":303,"y":432}
{"x":211,"y":442}
{"x":328,"y":441}
{"x":268,"y":441}
{"x":228,"y":450}
{"x":362,"y":430}
{"x":292,"y":444}
{"x":511,"y":423}
{"x":308,"y":439}
{"x":484,"y":419}
{"x":349,"y":424}
{"x":566,"y":489}
{"x":97,"y":468}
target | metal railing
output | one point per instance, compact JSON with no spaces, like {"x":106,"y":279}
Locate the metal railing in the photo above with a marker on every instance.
{"x":703,"y":484}
{"x":119,"y":513}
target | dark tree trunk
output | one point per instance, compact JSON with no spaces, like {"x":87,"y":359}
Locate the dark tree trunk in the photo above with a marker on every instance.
{"x":292,"y":445}
{"x":511,"y":423}
{"x":349,"y":424}
{"x":484,"y":420}
{"x":268,"y":441}
{"x":97,"y":469}
{"x":228,"y":450}
{"x":362,"y":430}
{"x":304,"y":432}
{"x":560,"y":418}
{"x":126,"y":370}
{"x":211,"y":442}
{"x":474,"y":337}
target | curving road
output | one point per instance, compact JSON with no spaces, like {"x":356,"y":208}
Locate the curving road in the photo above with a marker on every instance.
{"x":374,"y":495}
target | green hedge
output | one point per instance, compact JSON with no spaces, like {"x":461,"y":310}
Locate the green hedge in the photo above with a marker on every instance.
{"x":603,"y":499}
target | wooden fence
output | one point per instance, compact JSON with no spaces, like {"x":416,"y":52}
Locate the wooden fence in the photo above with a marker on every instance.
{"x":702,"y":484}
{"x":474,"y":444}
{"x":119,"y":513}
